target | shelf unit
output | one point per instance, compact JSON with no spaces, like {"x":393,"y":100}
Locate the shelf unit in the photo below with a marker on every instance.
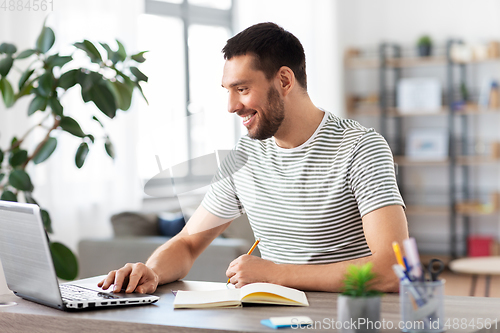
{"x":390,"y":59}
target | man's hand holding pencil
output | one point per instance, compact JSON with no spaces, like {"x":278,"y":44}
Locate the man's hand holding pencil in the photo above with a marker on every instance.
{"x":248,"y":269}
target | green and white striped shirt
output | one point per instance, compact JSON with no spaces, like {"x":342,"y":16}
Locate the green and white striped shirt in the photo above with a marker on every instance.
{"x":306,"y":203}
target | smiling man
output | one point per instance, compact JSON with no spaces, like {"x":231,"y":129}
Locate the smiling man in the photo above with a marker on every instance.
{"x":319,"y":191}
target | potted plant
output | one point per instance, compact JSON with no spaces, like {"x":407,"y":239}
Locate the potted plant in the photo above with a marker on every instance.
{"x":424,"y":46}
{"x":359,"y":299}
{"x":108,"y":79}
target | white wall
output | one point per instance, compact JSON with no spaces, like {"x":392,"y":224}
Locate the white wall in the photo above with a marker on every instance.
{"x":366,"y":22}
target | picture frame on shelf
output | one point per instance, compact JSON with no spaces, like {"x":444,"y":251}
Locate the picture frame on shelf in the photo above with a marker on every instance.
{"x":419,"y":95}
{"x":426,"y":144}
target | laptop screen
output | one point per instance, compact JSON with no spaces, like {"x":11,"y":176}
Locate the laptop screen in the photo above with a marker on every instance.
{"x":25,"y":254}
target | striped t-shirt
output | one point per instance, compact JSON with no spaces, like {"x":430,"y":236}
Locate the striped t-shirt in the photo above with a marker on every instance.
{"x":306,"y":203}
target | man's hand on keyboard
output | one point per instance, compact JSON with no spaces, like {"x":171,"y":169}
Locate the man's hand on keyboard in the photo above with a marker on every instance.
{"x":133,"y":278}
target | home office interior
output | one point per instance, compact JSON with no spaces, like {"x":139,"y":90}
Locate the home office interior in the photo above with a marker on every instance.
{"x":425,"y":74}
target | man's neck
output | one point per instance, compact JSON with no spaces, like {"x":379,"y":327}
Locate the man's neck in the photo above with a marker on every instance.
{"x":302,"y":118}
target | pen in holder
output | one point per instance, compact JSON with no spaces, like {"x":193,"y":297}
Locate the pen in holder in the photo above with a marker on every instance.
{"x":422,"y":305}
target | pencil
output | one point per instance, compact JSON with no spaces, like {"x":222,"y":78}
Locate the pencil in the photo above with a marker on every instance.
{"x":249,"y":252}
{"x":397,"y":252}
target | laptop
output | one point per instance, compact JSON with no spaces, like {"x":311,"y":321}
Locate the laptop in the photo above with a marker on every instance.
{"x":29,"y":270}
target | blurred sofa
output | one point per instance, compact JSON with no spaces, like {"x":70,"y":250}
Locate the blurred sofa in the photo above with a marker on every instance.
{"x":137,"y":235}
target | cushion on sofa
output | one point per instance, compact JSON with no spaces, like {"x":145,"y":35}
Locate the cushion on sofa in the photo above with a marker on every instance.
{"x":170,"y":224}
{"x":130,"y":224}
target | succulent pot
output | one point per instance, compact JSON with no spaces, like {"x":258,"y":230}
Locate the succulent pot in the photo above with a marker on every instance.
{"x":424,"y":50}
{"x":358,"y":314}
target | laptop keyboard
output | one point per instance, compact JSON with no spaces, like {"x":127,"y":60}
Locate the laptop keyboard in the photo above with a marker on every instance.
{"x":75,"y":293}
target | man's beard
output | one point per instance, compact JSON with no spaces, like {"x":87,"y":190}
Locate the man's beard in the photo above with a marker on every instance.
{"x":272,"y":117}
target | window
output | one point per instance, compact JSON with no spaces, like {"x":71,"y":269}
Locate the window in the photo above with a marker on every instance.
{"x":187,"y":114}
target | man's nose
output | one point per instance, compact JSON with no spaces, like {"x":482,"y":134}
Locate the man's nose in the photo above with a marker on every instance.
{"x":234,"y":104}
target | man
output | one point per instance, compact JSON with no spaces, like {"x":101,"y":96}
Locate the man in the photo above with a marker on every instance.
{"x":319,"y":191}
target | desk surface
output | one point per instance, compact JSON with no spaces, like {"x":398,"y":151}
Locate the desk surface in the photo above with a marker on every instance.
{"x":161,"y":317}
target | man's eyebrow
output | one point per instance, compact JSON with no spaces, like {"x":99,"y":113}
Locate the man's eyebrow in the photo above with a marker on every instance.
{"x":237,"y":83}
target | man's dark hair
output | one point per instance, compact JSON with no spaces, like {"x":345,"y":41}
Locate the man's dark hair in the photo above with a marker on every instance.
{"x":272,"y":47}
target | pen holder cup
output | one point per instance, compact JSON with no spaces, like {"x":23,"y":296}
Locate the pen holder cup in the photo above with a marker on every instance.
{"x":422,"y":306}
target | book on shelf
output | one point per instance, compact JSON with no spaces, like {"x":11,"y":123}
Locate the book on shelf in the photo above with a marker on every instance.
{"x":261,"y":293}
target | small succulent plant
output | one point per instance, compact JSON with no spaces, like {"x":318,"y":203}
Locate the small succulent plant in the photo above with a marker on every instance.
{"x":359,"y":280}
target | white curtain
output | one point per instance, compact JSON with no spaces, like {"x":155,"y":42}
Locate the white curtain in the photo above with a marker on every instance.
{"x":80,"y":201}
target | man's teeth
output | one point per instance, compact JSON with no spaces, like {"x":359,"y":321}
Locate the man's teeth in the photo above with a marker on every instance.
{"x":247,"y":117}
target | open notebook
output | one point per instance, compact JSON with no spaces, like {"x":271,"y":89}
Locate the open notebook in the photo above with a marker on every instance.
{"x":263,"y":293}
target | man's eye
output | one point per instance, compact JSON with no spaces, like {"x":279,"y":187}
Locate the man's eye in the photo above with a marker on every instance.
{"x":241,"y":89}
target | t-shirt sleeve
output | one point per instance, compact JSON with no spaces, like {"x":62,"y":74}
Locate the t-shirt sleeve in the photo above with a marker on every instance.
{"x":371,"y":176}
{"x":221,"y":198}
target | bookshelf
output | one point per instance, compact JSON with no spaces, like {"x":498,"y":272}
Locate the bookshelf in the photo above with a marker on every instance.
{"x":391,"y":63}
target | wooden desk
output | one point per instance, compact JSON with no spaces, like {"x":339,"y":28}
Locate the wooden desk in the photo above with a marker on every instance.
{"x":161,"y":317}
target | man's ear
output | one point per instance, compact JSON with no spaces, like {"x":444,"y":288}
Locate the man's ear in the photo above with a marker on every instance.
{"x":286,"y":80}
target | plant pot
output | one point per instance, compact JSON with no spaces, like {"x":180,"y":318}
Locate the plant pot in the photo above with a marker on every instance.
{"x":424,"y":50}
{"x":358,"y":314}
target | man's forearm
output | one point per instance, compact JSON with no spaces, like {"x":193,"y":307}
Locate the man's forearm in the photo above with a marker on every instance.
{"x":330,"y":277}
{"x":171,"y":261}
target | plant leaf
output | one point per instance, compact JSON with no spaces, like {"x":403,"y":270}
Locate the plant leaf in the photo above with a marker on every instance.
{"x":19,"y":179}
{"x":6,"y":65}
{"x":139,"y":57}
{"x":103,"y":98}
{"x":138,"y":74}
{"x":1,"y":156}
{"x":1,"y":176}
{"x":120,"y":54}
{"x":46,"y":150}
{"x":358,"y":281}
{"x":26,"y":90}
{"x":8,"y":196}
{"x":56,"y":60}
{"x":142,"y":92}
{"x":47,"y":222}
{"x":12,"y":143}
{"x":81,"y":154}
{"x":90,"y":49}
{"x":18,"y":157}
{"x":7,"y":92}
{"x":45,"y":40}
{"x":95,"y":118}
{"x":122,"y":94}
{"x":110,"y":149}
{"x":8,"y":48}
{"x":65,"y":262}
{"x":87,"y":81}
{"x":25,"y":54}
{"x":70,"y":125}
{"x":68,"y":79}
{"x":109,"y":52}
{"x":29,"y":198}
{"x":56,"y":106}
{"x":46,"y":84}
{"x":38,"y":103}
{"x":26,"y":75}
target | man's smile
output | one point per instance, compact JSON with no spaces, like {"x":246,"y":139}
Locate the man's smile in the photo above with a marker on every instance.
{"x":248,"y":118}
